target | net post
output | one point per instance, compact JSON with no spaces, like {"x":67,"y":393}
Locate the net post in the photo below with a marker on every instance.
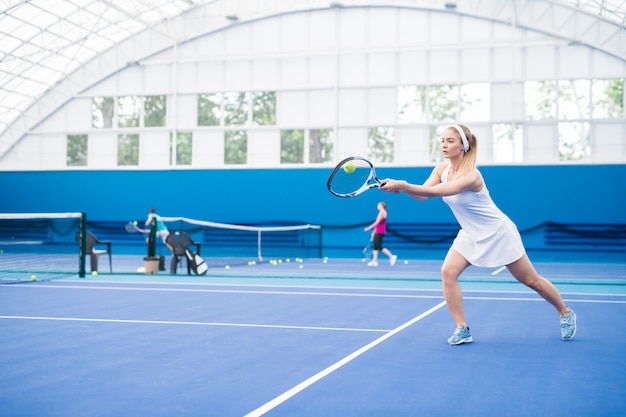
{"x":259,"y":245}
{"x":83,"y":245}
{"x":321,"y":246}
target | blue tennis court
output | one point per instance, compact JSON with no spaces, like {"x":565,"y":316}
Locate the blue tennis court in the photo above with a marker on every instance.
{"x":308,"y":338}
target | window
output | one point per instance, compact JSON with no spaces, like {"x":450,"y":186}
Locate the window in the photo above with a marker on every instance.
{"x":77,"y":150}
{"x":507,"y":143}
{"x":444,"y":103}
{"x":381,"y":144}
{"x":540,"y":100}
{"x":128,"y":111}
{"x":436,"y":133}
{"x":321,"y":143}
{"x":209,"y":109}
{"x":573,"y":141}
{"x":155,"y":109}
{"x":574,"y":99}
{"x":102,"y":112}
{"x":475,"y":103}
{"x":412,"y":104}
{"x":607,"y":99}
{"x":291,"y":146}
{"x":182,"y":148}
{"x":264,"y":108}
{"x":236,"y":109}
{"x":235,"y":147}
{"x":127,"y":149}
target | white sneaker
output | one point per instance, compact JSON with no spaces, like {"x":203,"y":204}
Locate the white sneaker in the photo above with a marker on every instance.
{"x":393,"y":260}
{"x":372,"y":263}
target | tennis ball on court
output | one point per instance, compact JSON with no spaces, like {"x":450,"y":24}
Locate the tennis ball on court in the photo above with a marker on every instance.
{"x":94,"y":273}
{"x":301,"y":266}
{"x":406,"y":262}
{"x":33,"y":278}
{"x":349,"y":167}
{"x":227,"y":267}
{"x":141,"y":269}
{"x":135,"y":222}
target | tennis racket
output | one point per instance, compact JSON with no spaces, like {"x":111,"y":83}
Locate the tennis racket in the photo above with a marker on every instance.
{"x":367,"y":251}
{"x":131,"y":227}
{"x":353,"y":176}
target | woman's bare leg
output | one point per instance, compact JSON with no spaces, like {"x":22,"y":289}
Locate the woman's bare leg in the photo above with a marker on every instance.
{"x":524,"y":271}
{"x":452,"y":267}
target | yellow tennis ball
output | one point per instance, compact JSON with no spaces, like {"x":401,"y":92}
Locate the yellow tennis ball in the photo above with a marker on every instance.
{"x":227,"y":267}
{"x":349,"y":167}
{"x":94,"y":273}
{"x":33,"y":278}
{"x":135,"y":222}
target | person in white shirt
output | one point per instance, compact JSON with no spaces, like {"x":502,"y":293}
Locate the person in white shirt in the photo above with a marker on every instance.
{"x":488,"y":238}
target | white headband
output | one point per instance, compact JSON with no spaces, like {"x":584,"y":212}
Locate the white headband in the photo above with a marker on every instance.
{"x":463,"y":137}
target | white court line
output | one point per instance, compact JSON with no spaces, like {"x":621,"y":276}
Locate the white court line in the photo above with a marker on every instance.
{"x":312,"y":380}
{"x":497,"y":271}
{"x":194,"y":323}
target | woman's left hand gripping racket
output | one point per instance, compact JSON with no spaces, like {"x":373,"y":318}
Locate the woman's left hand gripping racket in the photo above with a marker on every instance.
{"x":352,"y":176}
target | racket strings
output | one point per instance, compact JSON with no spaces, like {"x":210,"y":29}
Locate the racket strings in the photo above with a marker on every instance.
{"x":350,"y":177}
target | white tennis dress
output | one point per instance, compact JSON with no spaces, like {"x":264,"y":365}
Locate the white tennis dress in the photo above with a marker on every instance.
{"x":488,"y":238}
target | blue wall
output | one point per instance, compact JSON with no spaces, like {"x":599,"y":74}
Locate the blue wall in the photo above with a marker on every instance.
{"x":530,"y":195}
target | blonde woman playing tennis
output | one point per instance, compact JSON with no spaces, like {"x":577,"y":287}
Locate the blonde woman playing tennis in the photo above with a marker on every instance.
{"x":488,"y":238}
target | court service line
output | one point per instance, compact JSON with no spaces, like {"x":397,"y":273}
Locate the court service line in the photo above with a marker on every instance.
{"x":194,"y":323}
{"x":315,"y":378}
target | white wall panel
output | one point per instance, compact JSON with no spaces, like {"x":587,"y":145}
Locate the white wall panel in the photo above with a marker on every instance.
{"x":154,"y":149}
{"x":266,"y":37}
{"x":382,"y":106}
{"x":293,"y":109}
{"x":264,"y":148}
{"x":412,"y":146}
{"x":353,"y":70}
{"x":475,"y":65}
{"x":322,"y":71}
{"x":574,"y":62}
{"x":540,"y":62}
{"x":237,"y":75}
{"x":187,"y":77}
{"x":351,"y":142}
{"x":208,"y":148}
{"x":102,"y":150}
{"x":607,"y":142}
{"x":413,"y":68}
{"x":186,"y":112}
{"x":444,"y":29}
{"x":382,"y":28}
{"x":210,"y":76}
{"x":382,"y":68}
{"x":352,"y":107}
{"x":130,"y":81}
{"x":507,"y":101}
{"x":541,"y":143}
{"x":157,"y":79}
{"x":294,"y":72}
{"x":353,"y":28}
{"x":507,"y":64}
{"x":266,"y":74}
{"x":444,"y":66}
{"x":238,"y":41}
{"x":413,"y":29}
{"x":294,"y":32}
{"x":324,"y":31}
{"x":322,"y":108}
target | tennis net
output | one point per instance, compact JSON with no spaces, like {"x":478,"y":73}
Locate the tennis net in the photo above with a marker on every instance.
{"x":40,"y":246}
{"x":259,"y":242}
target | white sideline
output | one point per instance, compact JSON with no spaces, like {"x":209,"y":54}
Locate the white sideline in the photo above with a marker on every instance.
{"x":312,"y":380}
